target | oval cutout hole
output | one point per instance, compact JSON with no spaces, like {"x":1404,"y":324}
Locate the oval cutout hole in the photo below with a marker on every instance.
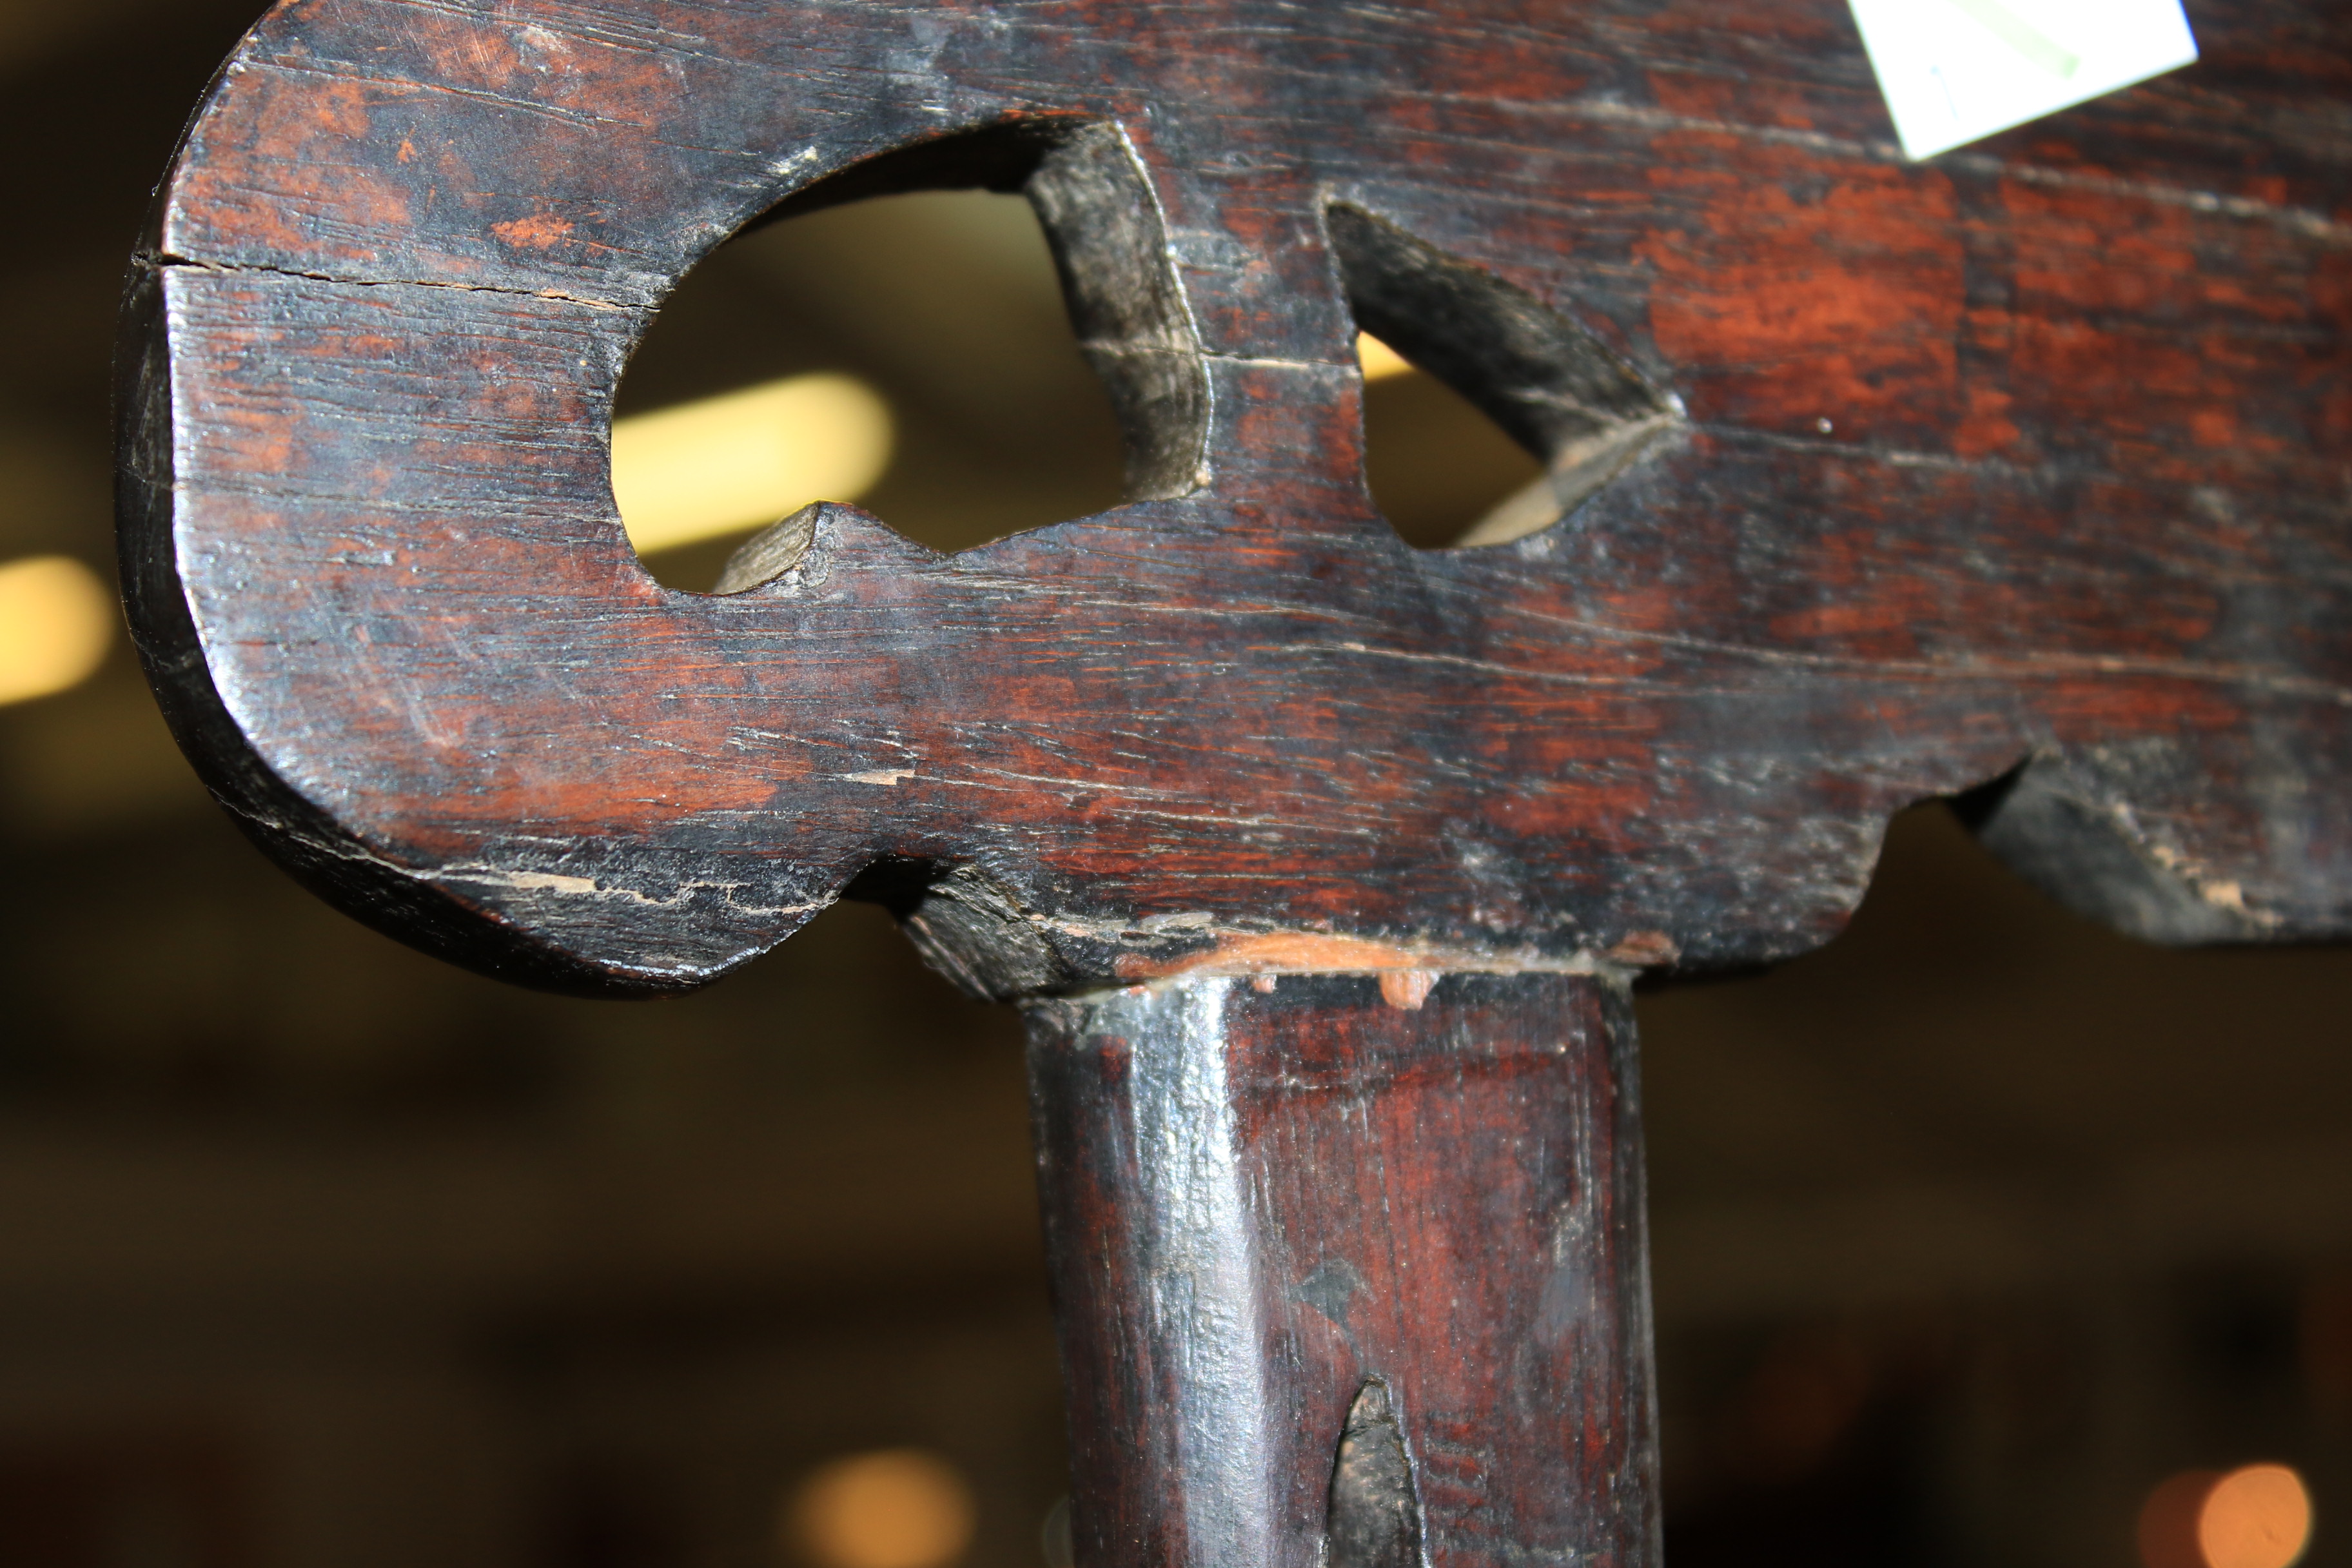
{"x":909,"y":353}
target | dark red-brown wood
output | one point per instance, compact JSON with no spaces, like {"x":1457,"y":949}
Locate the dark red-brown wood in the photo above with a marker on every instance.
{"x":1264,"y":1199}
{"x":2021,"y":476}
{"x":2033,"y":455}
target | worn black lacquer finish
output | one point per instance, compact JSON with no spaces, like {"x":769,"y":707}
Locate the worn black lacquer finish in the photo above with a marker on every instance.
{"x":1277,"y":1214}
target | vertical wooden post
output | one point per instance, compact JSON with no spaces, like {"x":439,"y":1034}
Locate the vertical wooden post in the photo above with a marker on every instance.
{"x":1336,"y":1261}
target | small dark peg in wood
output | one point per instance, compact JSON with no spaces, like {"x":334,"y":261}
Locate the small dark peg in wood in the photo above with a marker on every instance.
{"x":1375,"y":1518}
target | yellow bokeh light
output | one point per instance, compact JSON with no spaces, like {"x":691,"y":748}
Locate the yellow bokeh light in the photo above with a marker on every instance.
{"x":1379,"y":360}
{"x":56,"y":621}
{"x":894,"y":1507}
{"x":724,"y":465}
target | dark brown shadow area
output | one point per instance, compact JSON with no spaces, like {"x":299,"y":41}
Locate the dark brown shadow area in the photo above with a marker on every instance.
{"x":1977,"y":1223}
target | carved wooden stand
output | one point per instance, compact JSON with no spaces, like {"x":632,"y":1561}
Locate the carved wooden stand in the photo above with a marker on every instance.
{"x":1323,"y":864}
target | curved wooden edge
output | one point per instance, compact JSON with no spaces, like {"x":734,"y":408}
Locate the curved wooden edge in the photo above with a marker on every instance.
{"x":387,"y":599}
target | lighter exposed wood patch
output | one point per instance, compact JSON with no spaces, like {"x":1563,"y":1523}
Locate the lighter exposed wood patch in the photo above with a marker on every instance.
{"x":1299,"y":952}
{"x":536,"y":233}
{"x":1262,"y":955}
{"x":1640,"y":949}
{"x":548,"y":882}
{"x":2228,"y":896}
{"x":1407,"y":988}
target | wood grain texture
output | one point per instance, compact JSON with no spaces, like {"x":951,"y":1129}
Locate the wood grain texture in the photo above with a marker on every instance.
{"x":2030,"y":463}
{"x":1281,"y":1215}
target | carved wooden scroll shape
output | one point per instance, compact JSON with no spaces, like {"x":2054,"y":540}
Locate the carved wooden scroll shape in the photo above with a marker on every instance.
{"x":1323,"y":863}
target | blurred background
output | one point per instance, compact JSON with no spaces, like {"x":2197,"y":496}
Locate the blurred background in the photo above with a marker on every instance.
{"x":1983,"y":1236}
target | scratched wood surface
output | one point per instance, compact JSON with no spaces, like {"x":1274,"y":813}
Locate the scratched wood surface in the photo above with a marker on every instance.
{"x":2029,"y":465}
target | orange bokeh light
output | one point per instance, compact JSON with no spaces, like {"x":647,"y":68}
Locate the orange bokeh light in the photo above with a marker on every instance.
{"x":2257,"y":1516}
{"x":896,"y":1507}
